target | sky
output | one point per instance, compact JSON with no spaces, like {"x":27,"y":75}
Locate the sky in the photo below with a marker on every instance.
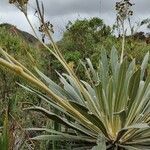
{"x":59,"y":12}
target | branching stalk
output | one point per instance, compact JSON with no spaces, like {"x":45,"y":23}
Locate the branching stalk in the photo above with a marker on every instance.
{"x":123,"y":42}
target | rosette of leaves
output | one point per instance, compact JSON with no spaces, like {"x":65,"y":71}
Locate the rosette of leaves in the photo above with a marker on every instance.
{"x":112,"y":112}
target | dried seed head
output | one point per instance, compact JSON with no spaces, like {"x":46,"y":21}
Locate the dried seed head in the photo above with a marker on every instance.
{"x":21,"y":4}
{"x":130,"y":13}
{"x":45,"y":28}
{"x":123,"y":9}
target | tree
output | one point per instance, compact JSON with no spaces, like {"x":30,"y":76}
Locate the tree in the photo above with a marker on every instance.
{"x":84,"y":35}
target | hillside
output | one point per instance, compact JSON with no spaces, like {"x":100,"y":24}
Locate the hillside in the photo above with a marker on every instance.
{"x":22,"y":34}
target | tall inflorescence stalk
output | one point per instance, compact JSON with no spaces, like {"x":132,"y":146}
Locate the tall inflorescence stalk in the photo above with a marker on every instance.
{"x":123,"y":9}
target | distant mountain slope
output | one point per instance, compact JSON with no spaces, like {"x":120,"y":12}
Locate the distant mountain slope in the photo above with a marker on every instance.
{"x":24,"y":35}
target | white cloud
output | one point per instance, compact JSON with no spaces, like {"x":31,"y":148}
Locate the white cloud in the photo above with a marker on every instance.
{"x":60,"y":11}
